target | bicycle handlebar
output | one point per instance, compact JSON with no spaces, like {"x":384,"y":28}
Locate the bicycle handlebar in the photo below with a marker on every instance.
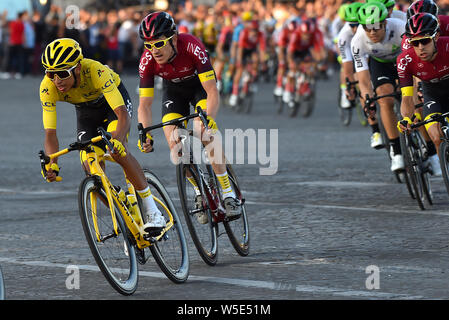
{"x":435,"y":117}
{"x":104,"y":135}
{"x":200,"y":113}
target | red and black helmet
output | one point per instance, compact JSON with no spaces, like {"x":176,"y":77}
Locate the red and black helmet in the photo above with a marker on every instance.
{"x":422,"y":24}
{"x":155,"y":25}
{"x":422,"y":6}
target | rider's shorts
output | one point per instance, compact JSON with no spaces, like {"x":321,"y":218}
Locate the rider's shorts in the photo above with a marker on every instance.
{"x":436,"y":99}
{"x":382,"y":72}
{"x":91,"y":115}
{"x":178,"y":98}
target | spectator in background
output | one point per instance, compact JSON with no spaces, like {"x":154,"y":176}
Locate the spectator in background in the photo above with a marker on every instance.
{"x":3,"y":40}
{"x":39,"y":31}
{"x":125,"y":35}
{"x":51,"y":25}
{"x":114,"y":60}
{"x":16,"y":42}
{"x":29,"y":43}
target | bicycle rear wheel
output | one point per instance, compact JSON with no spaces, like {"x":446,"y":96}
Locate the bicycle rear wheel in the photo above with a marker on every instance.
{"x":113,"y":252}
{"x":170,"y":251}
{"x":238,"y":229}
{"x":424,"y":164}
{"x":204,"y":235}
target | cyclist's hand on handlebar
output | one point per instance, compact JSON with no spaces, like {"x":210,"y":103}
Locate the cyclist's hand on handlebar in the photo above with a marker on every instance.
{"x":350,"y":93}
{"x":211,"y":124}
{"x":119,"y":148}
{"x":370,"y":111}
{"x":404,"y":125}
{"x":147,"y":146}
{"x":52,"y":172}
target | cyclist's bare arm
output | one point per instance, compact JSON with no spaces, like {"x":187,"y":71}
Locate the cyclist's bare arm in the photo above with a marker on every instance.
{"x":51,"y":145}
{"x":365,"y":83}
{"x":407,"y":106}
{"x":123,"y":124}
{"x":212,"y":102}
{"x":144,"y":116}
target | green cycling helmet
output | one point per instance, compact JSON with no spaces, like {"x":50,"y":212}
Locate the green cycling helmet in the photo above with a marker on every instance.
{"x":341,"y":11}
{"x":372,"y":13}
{"x":386,"y":3}
{"x":351,"y":12}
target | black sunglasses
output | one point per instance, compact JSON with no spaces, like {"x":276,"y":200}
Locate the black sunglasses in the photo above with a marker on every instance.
{"x":423,"y":41}
{"x":353,"y":25}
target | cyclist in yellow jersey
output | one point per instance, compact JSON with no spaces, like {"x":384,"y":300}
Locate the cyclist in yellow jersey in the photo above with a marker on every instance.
{"x":101,"y":100}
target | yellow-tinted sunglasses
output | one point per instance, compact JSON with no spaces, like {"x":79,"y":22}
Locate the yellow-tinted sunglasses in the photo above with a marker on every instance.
{"x":157,"y":44}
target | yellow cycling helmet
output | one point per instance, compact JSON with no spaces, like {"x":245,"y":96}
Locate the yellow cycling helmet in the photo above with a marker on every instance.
{"x":247,"y":16}
{"x":61,"y":54}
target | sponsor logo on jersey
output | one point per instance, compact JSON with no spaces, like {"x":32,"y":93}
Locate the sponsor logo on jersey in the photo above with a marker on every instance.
{"x":402,"y":64}
{"x":196,"y":50}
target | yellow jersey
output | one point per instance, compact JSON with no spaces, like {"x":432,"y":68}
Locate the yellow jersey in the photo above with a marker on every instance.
{"x":96,"y":81}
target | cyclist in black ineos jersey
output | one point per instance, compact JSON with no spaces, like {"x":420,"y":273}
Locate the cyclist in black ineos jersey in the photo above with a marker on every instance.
{"x":188,"y":78}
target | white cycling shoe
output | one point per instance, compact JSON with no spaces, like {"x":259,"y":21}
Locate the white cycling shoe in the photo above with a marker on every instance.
{"x":344,"y":102}
{"x":397,"y":162}
{"x":278,"y":91}
{"x":233,"y":100}
{"x":155,"y":222}
{"x":376,"y":140}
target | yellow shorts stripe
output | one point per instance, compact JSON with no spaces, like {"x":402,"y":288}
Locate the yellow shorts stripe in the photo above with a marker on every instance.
{"x":428,"y":125}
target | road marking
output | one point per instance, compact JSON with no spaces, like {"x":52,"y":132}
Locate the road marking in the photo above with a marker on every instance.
{"x":340,"y":184}
{"x":270,"y":285}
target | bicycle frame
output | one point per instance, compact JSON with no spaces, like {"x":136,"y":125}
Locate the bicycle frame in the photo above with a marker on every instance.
{"x":135,"y":225}
{"x":211,"y":193}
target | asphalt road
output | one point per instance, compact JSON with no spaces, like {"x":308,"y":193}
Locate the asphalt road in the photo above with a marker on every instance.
{"x":329,"y":222}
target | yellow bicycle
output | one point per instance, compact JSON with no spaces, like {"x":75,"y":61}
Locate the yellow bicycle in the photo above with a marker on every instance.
{"x":113,"y":224}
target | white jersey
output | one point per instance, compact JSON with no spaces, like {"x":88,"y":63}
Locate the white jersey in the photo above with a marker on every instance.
{"x":385,"y":51}
{"x":344,"y":43}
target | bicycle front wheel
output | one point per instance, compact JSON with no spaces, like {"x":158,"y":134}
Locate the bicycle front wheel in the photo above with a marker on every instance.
{"x":238,"y":229}
{"x":202,"y":230}
{"x":170,"y":251}
{"x":112,"y":251}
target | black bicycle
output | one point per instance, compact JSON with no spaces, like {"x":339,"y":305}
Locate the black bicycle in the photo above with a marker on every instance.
{"x":417,"y":168}
{"x":203,"y":205}
{"x":346,"y":113}
{"x":444,"y":145}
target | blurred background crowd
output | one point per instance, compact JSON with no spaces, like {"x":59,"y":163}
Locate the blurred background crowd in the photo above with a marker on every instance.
{"x":108,"y":29}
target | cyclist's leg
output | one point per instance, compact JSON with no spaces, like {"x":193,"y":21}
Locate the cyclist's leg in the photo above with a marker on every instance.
{"x":217,"y":159}
{"x":433,"y":99}
{"x":383,"y":77}
{"x":134,"y":172}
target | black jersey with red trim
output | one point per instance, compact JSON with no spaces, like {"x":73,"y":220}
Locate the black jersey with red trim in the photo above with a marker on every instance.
{"x":409,"y":65}
{"x":191,"y":61}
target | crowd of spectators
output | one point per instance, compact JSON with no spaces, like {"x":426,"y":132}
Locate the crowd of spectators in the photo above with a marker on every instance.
{"x":111,"y":36}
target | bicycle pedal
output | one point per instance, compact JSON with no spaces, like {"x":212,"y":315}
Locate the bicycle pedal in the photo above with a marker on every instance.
{"x":152,"y":232}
